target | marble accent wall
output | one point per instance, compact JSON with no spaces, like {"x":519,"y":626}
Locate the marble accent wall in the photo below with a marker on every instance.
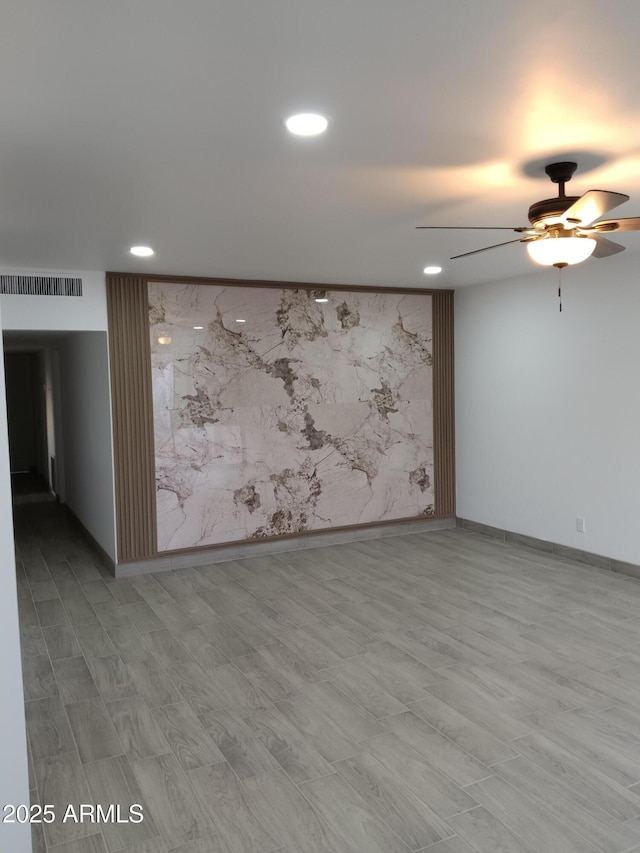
{"x":304,"y":416}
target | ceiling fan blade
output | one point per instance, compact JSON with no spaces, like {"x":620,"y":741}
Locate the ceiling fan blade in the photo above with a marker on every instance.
{"x":471,"y":228}
{"x":591,"y":205}
{"x":605,"y":247}
{"x":486,"y":249}
{"x":630,"y":224}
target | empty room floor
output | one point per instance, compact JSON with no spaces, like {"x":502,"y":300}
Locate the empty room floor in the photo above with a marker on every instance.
{"x":441,"y":692}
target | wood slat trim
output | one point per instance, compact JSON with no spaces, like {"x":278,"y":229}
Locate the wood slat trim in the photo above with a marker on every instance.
{"x":127,"y":304}
{"x":280,"y":285}
{"x":443,"y":405}
{"x":134,"y":460}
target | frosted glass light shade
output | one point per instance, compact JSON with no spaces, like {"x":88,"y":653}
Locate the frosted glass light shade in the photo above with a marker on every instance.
{"x":561,"y":251}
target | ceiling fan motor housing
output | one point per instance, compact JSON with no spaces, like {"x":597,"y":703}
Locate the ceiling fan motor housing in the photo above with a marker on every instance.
{"x":550,"y":208}
{"x":553,"y":208}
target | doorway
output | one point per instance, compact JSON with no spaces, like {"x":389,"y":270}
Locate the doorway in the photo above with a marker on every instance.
{"x":30,"y":423}
{"x":34,"y":414}
{"x":59,"y":415}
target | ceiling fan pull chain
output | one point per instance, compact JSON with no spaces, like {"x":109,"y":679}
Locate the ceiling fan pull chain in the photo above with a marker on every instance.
{"x":560,"y":288}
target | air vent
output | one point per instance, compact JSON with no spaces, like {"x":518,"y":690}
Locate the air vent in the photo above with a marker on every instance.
{"x":40,"y":285}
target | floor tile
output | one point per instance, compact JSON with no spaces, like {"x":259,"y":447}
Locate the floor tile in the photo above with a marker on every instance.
{"x":441,"y":693}
{"x":137,"y":729}
{"x":176,"y":811}
{"x":93,"y":730}
{"x":187,"y":735}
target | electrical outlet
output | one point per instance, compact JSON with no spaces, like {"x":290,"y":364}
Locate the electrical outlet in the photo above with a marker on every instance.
{"x":580,"y":526}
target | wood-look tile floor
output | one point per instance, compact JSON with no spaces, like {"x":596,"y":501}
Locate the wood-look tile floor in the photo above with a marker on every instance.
{"x":443,"y":692}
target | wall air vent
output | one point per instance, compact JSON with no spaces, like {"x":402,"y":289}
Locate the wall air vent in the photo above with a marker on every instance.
{"x":40,"y":285}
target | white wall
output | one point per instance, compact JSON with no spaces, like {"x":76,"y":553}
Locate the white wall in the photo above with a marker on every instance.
{"x":14,"y":779}
{"x":87,"y":434}
{"x":548,"y":406}
{"x":52,"y":313}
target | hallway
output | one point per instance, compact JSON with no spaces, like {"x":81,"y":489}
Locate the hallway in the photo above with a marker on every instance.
{"x":441,"y":692}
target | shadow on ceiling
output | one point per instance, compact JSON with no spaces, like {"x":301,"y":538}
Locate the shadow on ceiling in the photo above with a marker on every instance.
{"x":587,"y":161}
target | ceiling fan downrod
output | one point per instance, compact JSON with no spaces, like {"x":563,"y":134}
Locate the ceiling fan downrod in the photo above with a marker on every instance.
{"x":561,"y":173}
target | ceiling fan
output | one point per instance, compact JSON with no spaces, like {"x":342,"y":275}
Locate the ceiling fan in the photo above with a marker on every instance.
{"x":564,"y":230}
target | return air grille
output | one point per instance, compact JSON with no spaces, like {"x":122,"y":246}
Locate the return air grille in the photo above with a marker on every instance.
{"x":40,"y":285}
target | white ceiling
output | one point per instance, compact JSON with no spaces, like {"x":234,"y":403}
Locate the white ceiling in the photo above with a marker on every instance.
{"x":161,"y":122}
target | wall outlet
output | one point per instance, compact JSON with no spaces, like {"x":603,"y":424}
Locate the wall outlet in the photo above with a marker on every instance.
{"x":580,"y":525}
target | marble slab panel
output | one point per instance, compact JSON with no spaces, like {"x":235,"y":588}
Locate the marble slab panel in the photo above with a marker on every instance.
{"x":305,"y":416}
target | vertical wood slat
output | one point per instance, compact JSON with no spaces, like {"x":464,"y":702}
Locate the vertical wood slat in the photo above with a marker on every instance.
{"x":129,"y":352}
{"x":443,"y":405}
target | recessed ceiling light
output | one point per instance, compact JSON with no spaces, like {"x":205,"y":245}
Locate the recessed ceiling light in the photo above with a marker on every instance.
{"x":307,"y":124}
{"x":241,"y":321}
{"x":164,"y":339}
{"x":142,"y":251}
{"x":432,"y":270}
{"x":197,"y":328}
{"x":321,"y":299}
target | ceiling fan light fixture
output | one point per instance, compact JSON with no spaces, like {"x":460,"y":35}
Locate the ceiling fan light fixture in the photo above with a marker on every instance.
{"x":561,"y":251}
{"x":560,"y":227}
